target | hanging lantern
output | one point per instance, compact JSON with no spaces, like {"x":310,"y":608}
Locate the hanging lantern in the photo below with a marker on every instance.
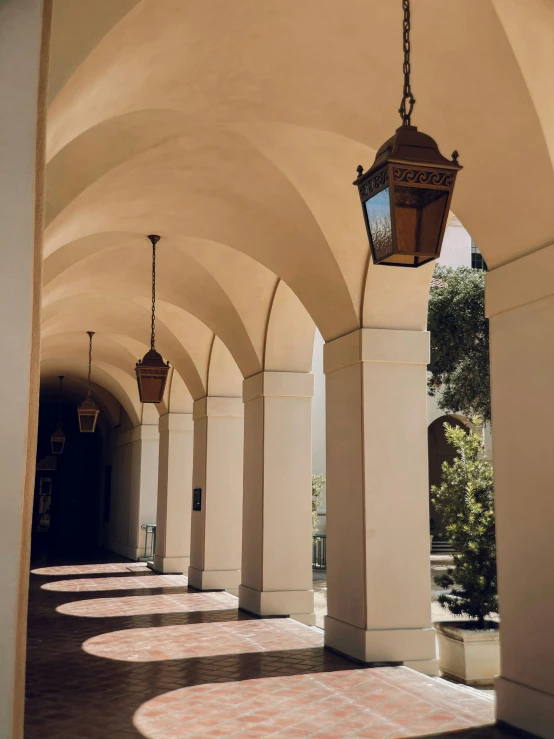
{"x":152,"y":371}
{"x":57,"y":440}
{"x":406,"y":194}
{"x":87,"y":412}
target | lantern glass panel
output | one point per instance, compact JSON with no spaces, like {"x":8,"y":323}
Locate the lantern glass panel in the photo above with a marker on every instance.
{"x":57,"y":441}
{"x":419,"y":214}
{"x":88,"y":415}
{"x":151,"y":387}
{"x":87,"y":423}
{"x":379,"y":221}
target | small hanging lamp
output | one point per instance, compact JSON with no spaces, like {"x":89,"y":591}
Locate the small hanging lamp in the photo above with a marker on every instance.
{"x":88,"y":412}
{"x":57,"y":440}
{"x":407,"y":192}
{"x":152,"y":371}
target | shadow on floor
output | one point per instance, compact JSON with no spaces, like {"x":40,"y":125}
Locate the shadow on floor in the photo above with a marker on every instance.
{"x":75,"y":695}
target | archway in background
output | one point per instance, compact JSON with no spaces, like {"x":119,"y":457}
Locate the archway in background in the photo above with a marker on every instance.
{"x":439,"y":451}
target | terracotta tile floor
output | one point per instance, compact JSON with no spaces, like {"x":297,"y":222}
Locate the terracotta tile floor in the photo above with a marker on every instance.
{"x":162,"y":663}
{"x":203,"y":640}
{"x":138,"y":605}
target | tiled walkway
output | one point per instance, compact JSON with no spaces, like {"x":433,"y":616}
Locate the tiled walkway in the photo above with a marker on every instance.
{"x":117,"y":652}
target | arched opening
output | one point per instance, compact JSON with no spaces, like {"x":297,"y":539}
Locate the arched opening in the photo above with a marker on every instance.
{"x":69,"y":487}
{"x":439,"y":451}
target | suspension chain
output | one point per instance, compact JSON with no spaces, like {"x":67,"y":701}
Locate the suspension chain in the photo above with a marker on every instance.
{"x":153,"y":326}
{"x":61,"y":401}
{"x":90,"y":335}
{"x":408,"y":100}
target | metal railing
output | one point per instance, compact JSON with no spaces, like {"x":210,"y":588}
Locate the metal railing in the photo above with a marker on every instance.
{"x":319,"y":552}
{"x":149,"y":540}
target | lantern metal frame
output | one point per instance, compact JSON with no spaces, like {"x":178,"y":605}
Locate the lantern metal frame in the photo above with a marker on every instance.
{"x":151,"y":371}
{"x":57,"y":439}
{"x":87,"y":412}
{"x":408,"y":222}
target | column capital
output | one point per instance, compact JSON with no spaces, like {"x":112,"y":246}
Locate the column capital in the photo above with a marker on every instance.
{"x":278,"y":384}
{"x":519,"y":282}
{"x":217,"y":406}
{"x":376,"y":345}
{"x":176,"y":422}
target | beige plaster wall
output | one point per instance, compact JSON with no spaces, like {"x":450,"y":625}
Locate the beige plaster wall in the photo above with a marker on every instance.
{"x":24,"y":36}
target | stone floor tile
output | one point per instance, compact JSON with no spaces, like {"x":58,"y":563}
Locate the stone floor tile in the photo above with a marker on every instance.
{"x":155,"y":661}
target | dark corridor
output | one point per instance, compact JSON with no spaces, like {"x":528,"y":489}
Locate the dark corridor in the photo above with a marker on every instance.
{"x":67,"y":503}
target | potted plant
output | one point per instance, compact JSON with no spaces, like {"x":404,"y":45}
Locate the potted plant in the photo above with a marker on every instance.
{"x":469,"y":650}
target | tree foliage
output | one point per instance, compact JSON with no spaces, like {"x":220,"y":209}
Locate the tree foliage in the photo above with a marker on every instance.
{"x":459,"y":342}
{"x":466,"y":501}
{"x":318,"y":481}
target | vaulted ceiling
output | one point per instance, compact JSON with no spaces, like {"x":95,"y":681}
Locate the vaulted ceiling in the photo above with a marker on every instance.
{"x":233,"y":128}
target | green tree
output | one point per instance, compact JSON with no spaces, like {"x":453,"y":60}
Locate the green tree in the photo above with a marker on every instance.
{"x":459,"y":342}
{"x":466,"y":501}
{"x":318,"y":481}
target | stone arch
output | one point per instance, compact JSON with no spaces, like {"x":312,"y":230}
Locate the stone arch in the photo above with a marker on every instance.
{"x":130,"y":336}
{"x":113,"y":379}
{"x":76,"y":388}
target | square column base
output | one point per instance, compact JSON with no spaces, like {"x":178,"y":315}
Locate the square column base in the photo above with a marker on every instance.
{"x":298,"y":604}
{"x":170,"y":565}
{"x":414,"y":648}
{"x":228,"y":580}
{"x":524,"y":708}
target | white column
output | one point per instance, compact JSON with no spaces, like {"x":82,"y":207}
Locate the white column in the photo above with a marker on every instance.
{"x":144,"y":486}
{"x":520,"y":305}
{"x":277,"y":511}
{"x":24,"y":47}
{"x":174,"y":493}
{"x":217,"y":472}
{"x":379,"y":599}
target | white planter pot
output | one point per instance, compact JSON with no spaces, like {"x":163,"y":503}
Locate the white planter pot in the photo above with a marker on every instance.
{"x":471,"y":656}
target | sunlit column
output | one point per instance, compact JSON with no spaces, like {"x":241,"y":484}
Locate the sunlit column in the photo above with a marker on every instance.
{"x":379,"y":593}
{"x":216,"y":526}
{"x":174,"y":493}
{"x":277,"y":520}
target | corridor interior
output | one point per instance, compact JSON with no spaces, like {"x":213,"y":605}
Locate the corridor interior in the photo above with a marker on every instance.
{"x":117,"y":651}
